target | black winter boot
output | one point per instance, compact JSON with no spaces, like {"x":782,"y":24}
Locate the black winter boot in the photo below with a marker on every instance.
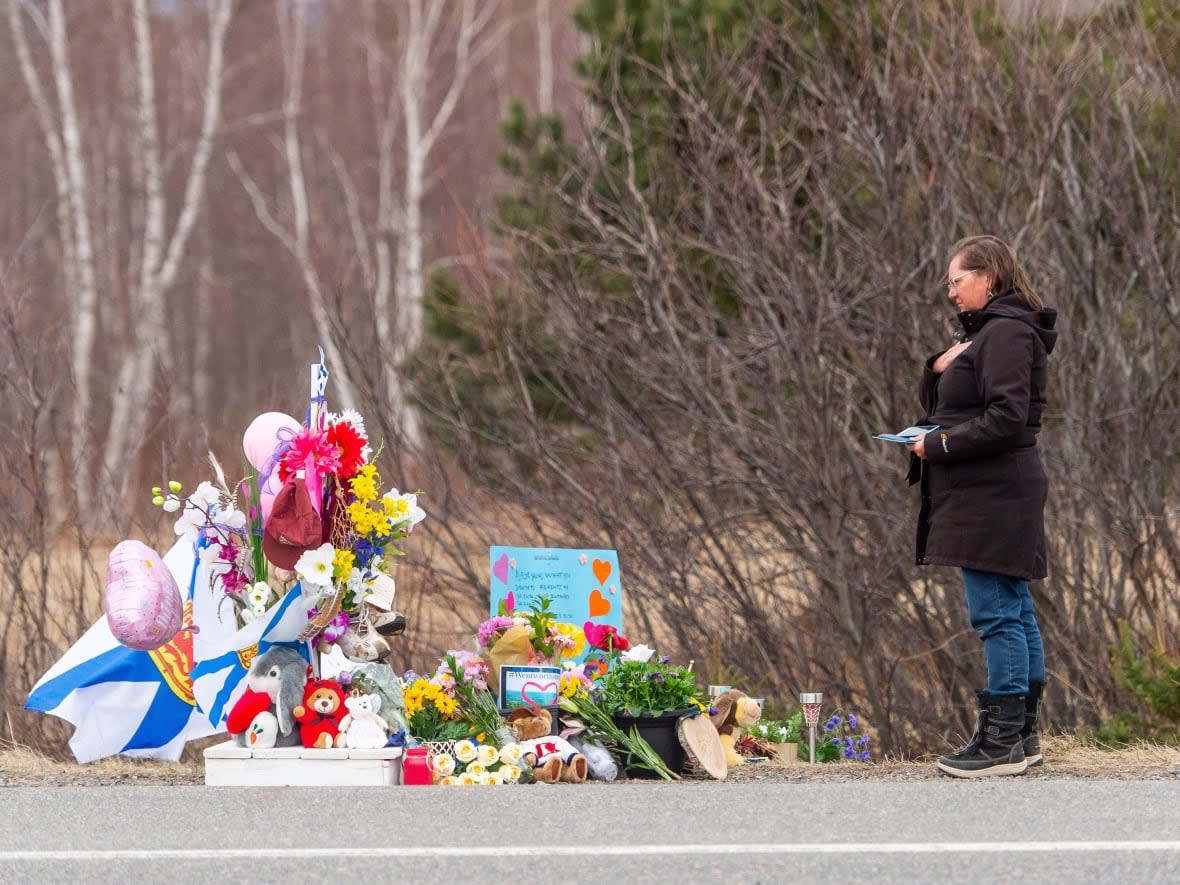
{"x":1028,"y":734}
{"x":996,"y":747}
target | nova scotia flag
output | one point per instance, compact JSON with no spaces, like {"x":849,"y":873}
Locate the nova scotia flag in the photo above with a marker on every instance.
{"x":137,"y":703}
{"x":219,"y":677}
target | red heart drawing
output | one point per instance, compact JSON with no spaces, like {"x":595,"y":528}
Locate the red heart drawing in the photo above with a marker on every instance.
{"x":599,"y":604}
{"x":547,"y":690}
{"x":500,"y":568}
{"x":601,"y":569}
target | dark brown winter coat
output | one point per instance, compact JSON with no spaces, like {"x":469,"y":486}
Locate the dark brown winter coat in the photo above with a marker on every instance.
{"x":983,"y":486}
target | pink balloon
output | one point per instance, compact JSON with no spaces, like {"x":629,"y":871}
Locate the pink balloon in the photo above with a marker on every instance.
{"x":266,"y":498}
{"x":264,"y":434}
{"x":141,"y":600}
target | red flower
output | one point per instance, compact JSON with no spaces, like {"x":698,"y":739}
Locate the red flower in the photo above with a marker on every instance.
{"x":605,"y":637}
{"x":350,"y":444}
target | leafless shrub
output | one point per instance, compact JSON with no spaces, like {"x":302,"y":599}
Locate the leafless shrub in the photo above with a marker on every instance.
{"x":687,"y":362}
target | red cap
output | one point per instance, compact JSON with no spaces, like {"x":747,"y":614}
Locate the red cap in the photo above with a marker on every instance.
{"x":293,"y":527}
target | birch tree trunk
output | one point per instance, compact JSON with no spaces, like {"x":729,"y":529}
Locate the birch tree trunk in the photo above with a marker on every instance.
{"x":422,"y":130}
{"x":63,"y":140}
{"x":162,"y":254}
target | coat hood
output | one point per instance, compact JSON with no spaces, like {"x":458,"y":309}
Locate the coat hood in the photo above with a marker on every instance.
{"x":1011,"y":305}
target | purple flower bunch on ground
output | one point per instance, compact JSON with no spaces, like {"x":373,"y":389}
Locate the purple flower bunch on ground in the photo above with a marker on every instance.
{"x":843,"y":738}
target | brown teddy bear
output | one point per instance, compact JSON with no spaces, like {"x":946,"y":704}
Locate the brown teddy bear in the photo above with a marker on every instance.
{"x":735,"y":710}
{"x":320,"y":713}
{"x":553,"y":758}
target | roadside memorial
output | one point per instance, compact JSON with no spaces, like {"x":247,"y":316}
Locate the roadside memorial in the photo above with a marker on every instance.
{"x":272,"y":617}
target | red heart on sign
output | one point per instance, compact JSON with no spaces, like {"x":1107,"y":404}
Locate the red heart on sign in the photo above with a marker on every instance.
{"x":546,"y":688}
{"x":601,"y":569}
{"x":599,"y":604}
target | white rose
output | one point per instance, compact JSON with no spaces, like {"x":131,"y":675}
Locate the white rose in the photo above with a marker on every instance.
{"x":487,"y":754}
{"x":511,"y":754}
{"x":444,"y":764}
{"x":465,"y":751}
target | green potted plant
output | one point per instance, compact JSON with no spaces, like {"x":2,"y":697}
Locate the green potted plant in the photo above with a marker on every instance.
{"x":783,"y":734}
{"x":635,"y":706}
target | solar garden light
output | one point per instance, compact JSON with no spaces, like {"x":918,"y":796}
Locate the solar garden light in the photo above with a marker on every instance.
{"x":811,"y":701}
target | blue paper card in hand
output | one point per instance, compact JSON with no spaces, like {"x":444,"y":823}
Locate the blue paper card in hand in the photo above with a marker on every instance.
{"x":907,"y":436}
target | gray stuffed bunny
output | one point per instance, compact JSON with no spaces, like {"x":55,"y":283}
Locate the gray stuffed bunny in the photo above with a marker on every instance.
{"x":281,"y":673}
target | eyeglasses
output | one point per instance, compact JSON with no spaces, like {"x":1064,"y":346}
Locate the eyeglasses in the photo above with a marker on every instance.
{"x":953,"y":283}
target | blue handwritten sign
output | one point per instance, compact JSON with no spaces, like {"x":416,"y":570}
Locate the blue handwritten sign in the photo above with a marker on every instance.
{"x":582,"y":585}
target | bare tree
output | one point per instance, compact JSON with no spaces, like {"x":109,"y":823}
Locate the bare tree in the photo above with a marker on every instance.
{"x":159,"y":251}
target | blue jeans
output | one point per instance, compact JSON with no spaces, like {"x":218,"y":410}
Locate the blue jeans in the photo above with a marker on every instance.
{"x":1001,"y":609}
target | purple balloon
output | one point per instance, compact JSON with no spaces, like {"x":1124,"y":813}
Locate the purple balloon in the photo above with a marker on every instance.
{"x":141,"y":600}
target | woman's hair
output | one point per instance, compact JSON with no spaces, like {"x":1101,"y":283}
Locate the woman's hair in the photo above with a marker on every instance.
{"x":995,"y":257}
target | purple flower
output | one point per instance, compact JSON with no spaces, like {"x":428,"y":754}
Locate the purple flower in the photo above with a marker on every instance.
{"x":849,"y":753}
{"x":864,"y":756}
{"x":852,"y":721}
{"x":665,"y":659}
{"x":862,"y":741}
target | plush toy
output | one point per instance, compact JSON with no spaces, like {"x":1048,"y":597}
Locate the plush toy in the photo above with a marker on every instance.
{"x":363,"y":727}
{"x":320,"y":713}
{"x":279,"y":674}
{"x":735,"y":710}
{"x":251,"y":723}
{"x":553,"y":758}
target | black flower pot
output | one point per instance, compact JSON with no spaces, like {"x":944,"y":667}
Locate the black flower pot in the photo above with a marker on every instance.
{"x":660,"y":732}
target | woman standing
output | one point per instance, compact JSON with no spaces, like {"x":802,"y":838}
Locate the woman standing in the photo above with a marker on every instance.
{"x":983,"y":489}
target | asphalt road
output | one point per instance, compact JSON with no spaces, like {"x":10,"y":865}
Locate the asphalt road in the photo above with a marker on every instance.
{"x":1002,"y":830}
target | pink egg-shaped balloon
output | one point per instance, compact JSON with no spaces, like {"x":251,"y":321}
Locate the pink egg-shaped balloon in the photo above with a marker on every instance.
{"x":141,"y":600}
{"x":266,"y":498}
{"x":265,"y":434}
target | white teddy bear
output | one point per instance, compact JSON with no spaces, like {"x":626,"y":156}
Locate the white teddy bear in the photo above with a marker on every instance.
{"x":363,"y":728}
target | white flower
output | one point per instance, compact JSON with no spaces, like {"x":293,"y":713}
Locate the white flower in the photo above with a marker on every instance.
{"x":190,"y":521}
{"x":444,"y":764}
{"x":448,"y":781}
{"x":247,"y":615}
{"x":478,"y":769}
{"x":511,"y":754}
{"x":259,"y":609}
{"x":465,"y":751}
{"x":205,"y":496}
{"x":466,"y":779}
{"x":315,"y":566}
{"x":231,"y":519}
{"x":638,"y":653}
{"x":353,"y":417}
{"x":259,"y":594}
{"x":171,"y":504}
{"x":487,"y":754}
{"x":493,"y":778}
{"x":407,"y":505}
{"x":510,"y":773}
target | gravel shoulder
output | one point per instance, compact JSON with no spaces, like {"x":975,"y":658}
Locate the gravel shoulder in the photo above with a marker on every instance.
{"x":1065,"y":758}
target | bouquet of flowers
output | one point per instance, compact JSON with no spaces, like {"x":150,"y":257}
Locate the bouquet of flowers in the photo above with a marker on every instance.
{"x":530,"y":636}
{"x":473,"y":763}
{"x":220,"y":532}
{"x":432,"y":714}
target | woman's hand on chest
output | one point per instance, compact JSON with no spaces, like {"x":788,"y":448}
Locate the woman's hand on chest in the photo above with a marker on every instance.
{"x":943,"y":362}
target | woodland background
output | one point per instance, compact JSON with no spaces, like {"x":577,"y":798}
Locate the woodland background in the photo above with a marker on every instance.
{"x":641,"y":275}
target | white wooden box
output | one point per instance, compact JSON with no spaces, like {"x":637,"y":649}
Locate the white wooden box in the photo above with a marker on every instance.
{"x":228,"y":765}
